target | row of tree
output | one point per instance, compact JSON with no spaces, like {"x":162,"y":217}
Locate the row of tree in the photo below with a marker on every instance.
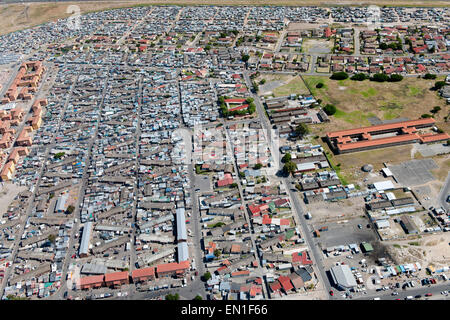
{"x":379,"y":77}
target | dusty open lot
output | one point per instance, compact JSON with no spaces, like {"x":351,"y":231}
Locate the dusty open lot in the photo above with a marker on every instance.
{"x":20,"y":16}
{"x":317,"y":46}
{"x":8,"y":191}
{"x":430,"y":249}
{"x":325,"y":211}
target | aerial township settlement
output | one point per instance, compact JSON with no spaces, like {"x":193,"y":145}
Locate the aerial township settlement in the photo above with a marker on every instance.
{"x":235,"y":153}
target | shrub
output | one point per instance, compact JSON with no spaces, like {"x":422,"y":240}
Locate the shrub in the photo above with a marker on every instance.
{"x":429,"y":76}
{"x":439,"y":85}
{"x":330,"y":109}
{"x":339,"y":75}
{"x":319,"y":85}
{"x":359,"y":77}
{"x":395,"y":78}
{"x":379,"y":77}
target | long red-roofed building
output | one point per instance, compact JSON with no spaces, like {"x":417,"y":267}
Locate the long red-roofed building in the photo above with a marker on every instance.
{"x":385,"y":135}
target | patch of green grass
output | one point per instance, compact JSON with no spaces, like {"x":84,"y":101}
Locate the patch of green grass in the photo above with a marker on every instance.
{"x":391,"y":110}
{"x":369,"y":93}
{"x":355,"y":117}
{"x":397,"y":246}
{"x":414,"y":243}
{"x":413,"y":91}
{"x":295,"y":86}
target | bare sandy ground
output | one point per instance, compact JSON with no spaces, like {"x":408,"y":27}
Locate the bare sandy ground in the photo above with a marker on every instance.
{"x":8,"y":191}
{"x":432,"y":249}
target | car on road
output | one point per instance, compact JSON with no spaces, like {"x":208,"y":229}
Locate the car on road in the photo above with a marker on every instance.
{"x":331,"y":293}
{"x":428,"y":294}
{"x":448,"y":199}
{"x":395,"y":293}
{"x":359,"y":226}
{"x":418,"y":296}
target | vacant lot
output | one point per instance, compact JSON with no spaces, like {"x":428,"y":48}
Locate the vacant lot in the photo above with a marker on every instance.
{"x":294,"y":86}
{"x":357,"y":101}
{"x":317,"y":46}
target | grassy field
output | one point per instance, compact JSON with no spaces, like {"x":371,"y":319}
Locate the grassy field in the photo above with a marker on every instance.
{"x":324,"y":45}
{"x":294,"y":86}
{"x":357,"y":101}
{"x":16,"y":16}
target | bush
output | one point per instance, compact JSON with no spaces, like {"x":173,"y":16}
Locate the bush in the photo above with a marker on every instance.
{"x":379,"y":77}
{"x":359,"y":77}
{"x":206,"y":276}
{"x":330,"y":109}
{"x":290,"y":167}
{"x":319,"y":85}
{"x":286,"y":158}
{"x":426,"y":115}
{"x":257,"y":166}
{"x":339,"y":75}
{"x":435,"y":109}
{"x":439,"y":85}
{"x":429,"y":76}
{"x":70,"y":209}
{"x":175,"y":296}
{"x":395,"y":78}
{"x":301,"y":129}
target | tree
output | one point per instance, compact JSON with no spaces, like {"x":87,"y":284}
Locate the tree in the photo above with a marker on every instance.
{"x":59,"y":155}
{"x":289,"y":167}
{"x":395,"y":78}
{"x":426,"y":115}
{"x":339,"y":76}
{"x":439,"y":85}
{"x":217,"y":253}
{"x":206,"y":276}
{"x":383,"y":46}
{"x":245,"y":57}
{"x":330,"y":109}
{"x":286,"y":158}
{"x":359,"y":77}
{"x":198,"y":297}
{"x":207,"y":47}
{"x":379,"y":77}
{"x":319,"y":85}
{"x":262,"y":81}
{"x":435,"y":110}
{"x":302,"y":129}
{"x":257,"y":166}
{"x":52,"y":238}
{"x":175,"y":296}
{"x":70,"y":209}
{"x":429,"y":76}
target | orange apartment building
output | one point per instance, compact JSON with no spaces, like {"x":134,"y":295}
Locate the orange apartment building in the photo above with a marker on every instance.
{"x":8,"y":171}
{"x":143,"y":275}
{"x":25,"y":82}
{"x":172,"y":269}
{"x":91,"y":282}
{"x":116,"y":279}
